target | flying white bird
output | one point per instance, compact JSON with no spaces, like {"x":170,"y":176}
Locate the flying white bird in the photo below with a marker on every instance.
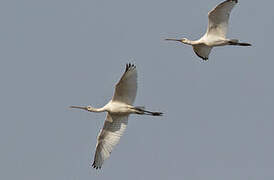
{"x":118,"y":109}
{"x":216,"y":31}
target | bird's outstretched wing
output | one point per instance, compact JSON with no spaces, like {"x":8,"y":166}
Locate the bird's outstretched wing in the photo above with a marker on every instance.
{"x":218,"y":18}
{"x":202,"y":51}
{"x":126,"y":88}
{"x":108,"y":137}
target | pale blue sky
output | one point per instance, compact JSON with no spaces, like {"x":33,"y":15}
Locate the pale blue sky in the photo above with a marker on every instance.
{"x":219,"y":117}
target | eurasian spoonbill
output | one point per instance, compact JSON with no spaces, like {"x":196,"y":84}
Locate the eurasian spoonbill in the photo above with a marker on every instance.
{"x":216,"y":31}
{"x":118,"y":109}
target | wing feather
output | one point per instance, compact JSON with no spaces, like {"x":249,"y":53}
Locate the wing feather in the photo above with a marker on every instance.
{"x":218,"y":18}
{"x":109,"y":136}
{"x":202,"y":51}
{"x":126,"y":88}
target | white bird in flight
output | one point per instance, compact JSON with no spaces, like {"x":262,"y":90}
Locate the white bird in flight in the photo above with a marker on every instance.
{"x":118,"y":109}
{"x":216,"y":31}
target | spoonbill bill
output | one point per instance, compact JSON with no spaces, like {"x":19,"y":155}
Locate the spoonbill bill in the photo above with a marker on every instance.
{"x":118,"y":109}
{"x":216,"y":31}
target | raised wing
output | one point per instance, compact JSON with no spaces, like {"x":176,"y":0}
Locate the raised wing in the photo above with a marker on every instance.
{"x":108,"y":137}
{"x":218,"y":18}
{"x":202,"y":51}
{"x":126,"y":88}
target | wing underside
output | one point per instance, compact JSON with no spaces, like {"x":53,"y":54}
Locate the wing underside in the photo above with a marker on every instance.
{"x":218,"y":18}
{"x":202,"y":51}
{"x":108,"y":137}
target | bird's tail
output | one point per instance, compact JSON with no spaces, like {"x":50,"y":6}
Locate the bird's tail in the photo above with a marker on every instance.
{"x":236,"y":42}
{"x":141,"y":110}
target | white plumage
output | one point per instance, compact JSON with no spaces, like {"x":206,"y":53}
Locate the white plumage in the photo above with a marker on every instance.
{"x":118,"y":109}
{"x":216,"y":32}
{"x":126,"y":88}
{"x":109,"y":136}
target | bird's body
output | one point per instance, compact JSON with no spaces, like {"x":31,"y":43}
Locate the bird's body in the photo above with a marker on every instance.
{"x":118,"y":109}
{"x":216,"y":32}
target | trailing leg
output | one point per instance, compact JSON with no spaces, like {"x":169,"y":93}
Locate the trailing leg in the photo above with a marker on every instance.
{"x":236,"y":42}
{"x":141,"y":110}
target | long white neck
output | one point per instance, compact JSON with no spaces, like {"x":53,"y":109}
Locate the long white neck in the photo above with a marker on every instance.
{"x":92,"y":109}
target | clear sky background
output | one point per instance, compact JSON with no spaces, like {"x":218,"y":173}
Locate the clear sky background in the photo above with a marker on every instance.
{"x":219,"y":116}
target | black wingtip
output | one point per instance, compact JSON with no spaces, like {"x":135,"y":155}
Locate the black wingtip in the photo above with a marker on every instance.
{"x":130,"y":66}
{"x":95,"y":167}
{"x":236,"y":1}
{"x":204,"y":58}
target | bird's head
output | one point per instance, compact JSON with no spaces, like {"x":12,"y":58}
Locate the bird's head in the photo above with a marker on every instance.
{"x":89,"y":108}
{"x":184,"y":40}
